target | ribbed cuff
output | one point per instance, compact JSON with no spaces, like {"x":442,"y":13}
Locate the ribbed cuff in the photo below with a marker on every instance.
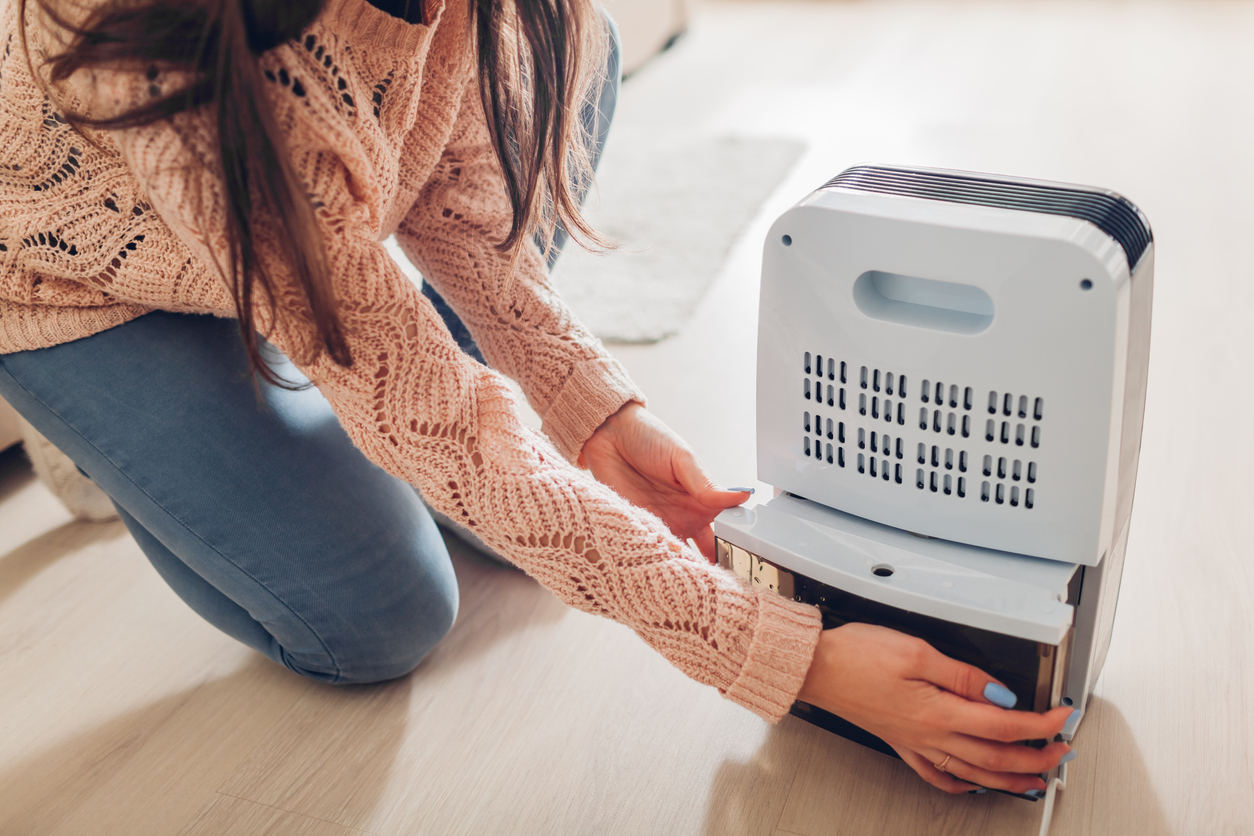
{"x":595,"y":391}
{"x":779,"y":658}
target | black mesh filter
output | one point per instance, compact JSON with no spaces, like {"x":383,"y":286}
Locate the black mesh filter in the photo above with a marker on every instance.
{"x":1112,"y":213}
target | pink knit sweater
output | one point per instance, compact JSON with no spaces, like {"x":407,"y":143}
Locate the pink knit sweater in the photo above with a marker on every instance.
{"x":385,"y":127}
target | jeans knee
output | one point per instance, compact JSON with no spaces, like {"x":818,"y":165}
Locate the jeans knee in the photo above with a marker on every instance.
{"x":398,"y":647}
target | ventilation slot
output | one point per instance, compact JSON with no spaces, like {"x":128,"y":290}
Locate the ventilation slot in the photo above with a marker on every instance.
{"x":945,"y":412}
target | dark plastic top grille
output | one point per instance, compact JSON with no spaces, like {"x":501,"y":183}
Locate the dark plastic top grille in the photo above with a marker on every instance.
{"x":1113,"y":214}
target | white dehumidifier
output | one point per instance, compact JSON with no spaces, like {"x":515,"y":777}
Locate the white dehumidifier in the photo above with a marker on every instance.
{"x":951,"y":383}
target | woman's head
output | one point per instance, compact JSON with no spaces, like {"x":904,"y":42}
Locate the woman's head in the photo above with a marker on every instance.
{"x":536,"y":60}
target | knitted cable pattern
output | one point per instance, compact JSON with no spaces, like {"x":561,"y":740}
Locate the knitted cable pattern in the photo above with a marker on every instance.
{"x":386,"y":130}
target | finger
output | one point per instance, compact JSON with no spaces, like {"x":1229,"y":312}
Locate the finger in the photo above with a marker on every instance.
{"x":965,"y":680}
{"x":704,"y":538}
{"x":989,"y":722}
{"x":986,"y":699}
{"x":928,"y":771}
{"x":1009,"y":781}
{"x":1005,"y":757}
{"x":693,"y":478}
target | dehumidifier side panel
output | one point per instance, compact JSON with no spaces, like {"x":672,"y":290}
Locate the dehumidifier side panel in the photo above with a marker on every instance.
{"x":1136,"y":383}
{"x":1094,"y":622}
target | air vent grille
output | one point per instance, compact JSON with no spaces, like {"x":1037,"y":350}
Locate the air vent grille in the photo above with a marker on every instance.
{"x":868,"y":436}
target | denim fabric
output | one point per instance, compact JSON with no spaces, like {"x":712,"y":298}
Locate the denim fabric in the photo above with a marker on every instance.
{"x":263,"y":517}
{"x":258,"y":512}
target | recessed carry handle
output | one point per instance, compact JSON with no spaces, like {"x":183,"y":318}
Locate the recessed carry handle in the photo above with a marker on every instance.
{"x":923,"y":303}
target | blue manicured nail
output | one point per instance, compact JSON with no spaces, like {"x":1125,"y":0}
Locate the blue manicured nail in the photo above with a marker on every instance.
{"x":1037,"y":794}
{"x":741,"y":490}
{"x":1067,"y":758}
{"x":980,"y":791}
{"x":999,"y":694}
{"x":1074,"y":720}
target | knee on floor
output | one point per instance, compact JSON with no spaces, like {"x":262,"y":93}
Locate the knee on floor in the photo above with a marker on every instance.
{"x":386,"y":648}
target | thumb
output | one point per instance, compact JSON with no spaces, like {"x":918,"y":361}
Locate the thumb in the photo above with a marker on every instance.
{"x":966,"y":681}
{"x":693,"y":478}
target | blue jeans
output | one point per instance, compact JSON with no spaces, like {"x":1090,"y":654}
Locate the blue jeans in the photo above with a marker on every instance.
{"x":263,"y":517}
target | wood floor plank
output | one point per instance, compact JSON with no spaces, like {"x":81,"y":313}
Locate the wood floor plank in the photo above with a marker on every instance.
{"x":227,"y":816}
{"x":494,"y":734}
{"x":121,"y":712}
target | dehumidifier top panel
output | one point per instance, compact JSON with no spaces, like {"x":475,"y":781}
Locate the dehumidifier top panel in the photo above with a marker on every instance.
{"x":951,"y":368}
{"x":1109,"y":211}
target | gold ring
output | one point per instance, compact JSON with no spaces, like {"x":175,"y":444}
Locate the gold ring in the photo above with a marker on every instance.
{"x":942,"y":764}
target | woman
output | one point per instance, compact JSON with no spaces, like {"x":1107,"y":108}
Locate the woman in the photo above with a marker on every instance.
{"x":244,"y":159}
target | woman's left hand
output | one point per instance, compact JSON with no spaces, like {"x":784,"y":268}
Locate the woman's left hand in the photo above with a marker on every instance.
{"x":640,"y":457}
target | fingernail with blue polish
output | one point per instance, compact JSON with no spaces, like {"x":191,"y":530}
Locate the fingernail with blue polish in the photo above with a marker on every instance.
{"x":1067,"y":758}
{"x":999,"y":694}
{"x":741,"y":490}
{"x":1074,"y":720}
{"x":1037,"y":794}
{"x":980,"y":791}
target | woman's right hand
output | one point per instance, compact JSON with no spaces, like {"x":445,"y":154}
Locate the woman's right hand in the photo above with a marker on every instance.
{"x":929,"y":707}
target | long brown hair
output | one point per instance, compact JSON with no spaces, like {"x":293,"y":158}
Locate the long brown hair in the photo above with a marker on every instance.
{"x":535,"y":60}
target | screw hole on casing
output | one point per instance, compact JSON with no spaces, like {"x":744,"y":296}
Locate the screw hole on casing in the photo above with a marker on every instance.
{"x":1086,"y":284}
{"x":882,"y":570}
{"x":787,"y":239}
{"x":1067,"y":701}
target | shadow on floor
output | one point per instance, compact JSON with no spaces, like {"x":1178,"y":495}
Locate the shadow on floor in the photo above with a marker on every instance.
{"x":15,"y":471}
{"x":147,"y":770}
{"x":803,"y":780}
{"x":32,"y":557}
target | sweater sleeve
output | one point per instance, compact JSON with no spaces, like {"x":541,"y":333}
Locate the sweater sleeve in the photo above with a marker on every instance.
{"x":522,"y":326}
{"x":425,"y":412}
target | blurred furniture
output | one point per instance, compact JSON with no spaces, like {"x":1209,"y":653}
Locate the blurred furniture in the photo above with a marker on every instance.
{"x":646,"y":27}
{"x":55,"y":469}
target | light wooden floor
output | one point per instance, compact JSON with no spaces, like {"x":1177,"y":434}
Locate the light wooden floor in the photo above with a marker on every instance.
{"x":121,"y":712}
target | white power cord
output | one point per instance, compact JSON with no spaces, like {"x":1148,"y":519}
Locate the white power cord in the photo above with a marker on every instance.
{"x":1057,"y":783}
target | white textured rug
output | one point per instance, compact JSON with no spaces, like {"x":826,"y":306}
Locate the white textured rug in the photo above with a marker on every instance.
{"x":675,"y":205}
